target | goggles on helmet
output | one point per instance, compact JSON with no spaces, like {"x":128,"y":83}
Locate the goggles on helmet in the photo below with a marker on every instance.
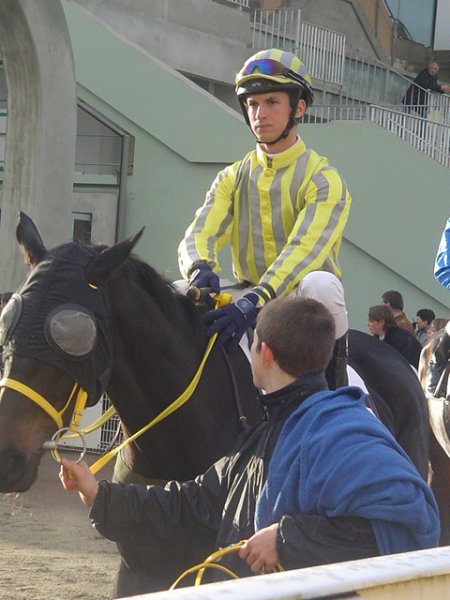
{"x":270,"y":67}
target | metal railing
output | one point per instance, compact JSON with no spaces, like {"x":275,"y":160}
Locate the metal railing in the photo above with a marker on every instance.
{"x":429,"y":136}
{"x":239,"y":3}
{"x":323,"y":51}
{"x":276,"y":28}
{"x":343,"y":69}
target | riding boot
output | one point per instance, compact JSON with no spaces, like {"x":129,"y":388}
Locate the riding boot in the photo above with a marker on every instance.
{"x":336,"y":371}
{"x":436,"y":383}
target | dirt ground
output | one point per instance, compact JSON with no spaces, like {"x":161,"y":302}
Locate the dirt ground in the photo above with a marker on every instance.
{"x":48,"y":548}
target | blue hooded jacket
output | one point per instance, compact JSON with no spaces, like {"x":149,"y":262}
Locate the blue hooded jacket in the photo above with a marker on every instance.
{"x":442,"y":264}
{"x":334,"y":458}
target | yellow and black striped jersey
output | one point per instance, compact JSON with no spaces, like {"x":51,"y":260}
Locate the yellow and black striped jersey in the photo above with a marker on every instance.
{"x":284,"y":215}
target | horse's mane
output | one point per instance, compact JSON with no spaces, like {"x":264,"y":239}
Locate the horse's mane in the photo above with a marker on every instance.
{"x":174,"y":305}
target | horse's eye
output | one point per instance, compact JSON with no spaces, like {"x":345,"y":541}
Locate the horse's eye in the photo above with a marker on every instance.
{"x":10,"y":317}
{"x":72,"y":330}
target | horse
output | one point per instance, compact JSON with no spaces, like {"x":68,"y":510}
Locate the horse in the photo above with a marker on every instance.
{"x":145,"y":353}
{"x":434,"y":378}
{"x":89,"y":319}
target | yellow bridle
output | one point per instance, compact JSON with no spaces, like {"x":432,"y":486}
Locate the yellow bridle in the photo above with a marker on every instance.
{"x":25,"y":390}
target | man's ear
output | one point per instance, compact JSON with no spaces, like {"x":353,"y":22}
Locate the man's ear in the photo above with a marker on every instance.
{"x":301,"y":109}
{"x":267,"y":356}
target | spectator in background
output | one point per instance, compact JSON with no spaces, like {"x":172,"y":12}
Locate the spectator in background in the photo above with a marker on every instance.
{"x":381,"y":323}
{"x":416,"y":96}
{"x":442,"y":263}
{"x":436,"y":325}
{"x":424,"y":317}
{"x":394,"y":300}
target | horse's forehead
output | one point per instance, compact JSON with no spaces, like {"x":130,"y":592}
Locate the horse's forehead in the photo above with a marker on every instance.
{"x":56,"y":284}
{"x":60,"y":274}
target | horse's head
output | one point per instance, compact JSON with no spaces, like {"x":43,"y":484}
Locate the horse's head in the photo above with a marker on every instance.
{"x":57,"y":348}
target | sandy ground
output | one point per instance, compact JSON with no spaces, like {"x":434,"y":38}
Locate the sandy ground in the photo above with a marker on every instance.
{"x":48,"y":548}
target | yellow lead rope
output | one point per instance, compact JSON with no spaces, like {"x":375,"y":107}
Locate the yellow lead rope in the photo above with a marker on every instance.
{"x":210,"y":563}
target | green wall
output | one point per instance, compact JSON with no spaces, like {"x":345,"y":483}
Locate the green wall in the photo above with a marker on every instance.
{"x":183,"y":136}
{"x":400,"y":206}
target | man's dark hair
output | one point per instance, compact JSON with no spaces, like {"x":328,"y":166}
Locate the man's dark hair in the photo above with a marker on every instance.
{"x":380,"y":312}
{"x":393,"y":298}
{"x":300,"y":332}
{"x":426,"y":314}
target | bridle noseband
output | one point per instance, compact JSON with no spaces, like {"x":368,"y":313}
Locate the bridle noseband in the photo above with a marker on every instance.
{"x":57,"y":417}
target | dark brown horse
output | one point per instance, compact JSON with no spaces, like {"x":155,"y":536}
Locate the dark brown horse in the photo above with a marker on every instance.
{"x":435,"y":381}
{"x":146,"y":342}
{"x":104,"y":320}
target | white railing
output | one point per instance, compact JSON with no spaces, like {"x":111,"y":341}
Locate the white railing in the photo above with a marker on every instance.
{"x":427,"y":135}
{"x":240,"y":3}
{"x":411,"y":575}
{"x":323,"y":51}
{"x":276,"y":28}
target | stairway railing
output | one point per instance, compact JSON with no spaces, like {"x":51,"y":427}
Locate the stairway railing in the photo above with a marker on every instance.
{"x":427,"y":134}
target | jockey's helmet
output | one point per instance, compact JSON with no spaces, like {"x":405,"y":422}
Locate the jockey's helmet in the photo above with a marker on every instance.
{"x":274,"y":70}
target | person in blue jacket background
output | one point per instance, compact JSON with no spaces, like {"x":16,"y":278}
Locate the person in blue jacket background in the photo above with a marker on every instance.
{"x":442,"y":263}
{"x":319,"y":480}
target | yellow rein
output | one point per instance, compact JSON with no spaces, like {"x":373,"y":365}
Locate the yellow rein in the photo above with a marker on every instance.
{"x":182,"y":399}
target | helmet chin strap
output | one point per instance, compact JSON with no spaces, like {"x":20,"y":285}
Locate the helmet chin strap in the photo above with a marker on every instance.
{"x":291,"y":123}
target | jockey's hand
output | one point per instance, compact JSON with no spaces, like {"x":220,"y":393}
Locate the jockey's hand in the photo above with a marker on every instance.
{"x":232,"y":320}
{"x":201,"y":276}
{"x":260,"y":551}
{"x":77,"y":476}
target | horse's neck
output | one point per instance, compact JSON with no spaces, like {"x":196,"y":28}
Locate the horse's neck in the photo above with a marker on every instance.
{"x":155,"y":353}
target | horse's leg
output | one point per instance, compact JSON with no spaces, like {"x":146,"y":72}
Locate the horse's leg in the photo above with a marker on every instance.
{"x":440,"y":485}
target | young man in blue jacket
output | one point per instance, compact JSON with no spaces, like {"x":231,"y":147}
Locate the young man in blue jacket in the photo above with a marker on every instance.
{"x":319,"y":480}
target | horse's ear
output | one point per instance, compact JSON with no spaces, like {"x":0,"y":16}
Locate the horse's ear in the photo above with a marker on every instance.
{"x":30,"y":240}
{"x":100,"y":269}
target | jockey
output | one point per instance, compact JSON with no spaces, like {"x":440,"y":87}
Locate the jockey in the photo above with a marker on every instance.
{"x":282,"y":208}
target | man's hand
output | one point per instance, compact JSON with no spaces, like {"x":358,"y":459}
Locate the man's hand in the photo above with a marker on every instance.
{"x":260,"y":551}
{"x":232,"y":320}
{"x":77,"y":476}
{"x":201,"y":276}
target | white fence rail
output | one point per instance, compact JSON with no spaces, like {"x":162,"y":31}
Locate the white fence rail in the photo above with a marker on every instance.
{"x":411,"y":576}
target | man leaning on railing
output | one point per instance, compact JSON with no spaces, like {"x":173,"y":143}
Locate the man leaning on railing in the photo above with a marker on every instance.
{"x":415,"y":98}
